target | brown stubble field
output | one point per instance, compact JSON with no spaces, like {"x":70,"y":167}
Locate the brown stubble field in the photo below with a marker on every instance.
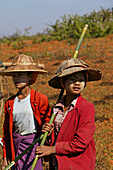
{"x":98,"y":53}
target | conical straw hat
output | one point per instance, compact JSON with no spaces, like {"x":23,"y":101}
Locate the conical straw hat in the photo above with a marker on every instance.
{"x":23,"y":63}
{"x":72,"y":66}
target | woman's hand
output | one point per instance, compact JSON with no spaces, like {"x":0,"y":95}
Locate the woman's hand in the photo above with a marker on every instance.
{"x":48,"y":128}
{"x":45,"y":150}
{"x":4,"y":164}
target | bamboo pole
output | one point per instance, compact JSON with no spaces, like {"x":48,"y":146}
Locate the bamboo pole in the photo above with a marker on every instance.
{"x":24,"y":152}
{"x":60,"y":95}
{"x":80,"y":41}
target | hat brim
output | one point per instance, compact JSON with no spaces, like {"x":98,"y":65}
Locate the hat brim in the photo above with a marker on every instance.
{"x":28,"y":68}
{"x":93,"y":75}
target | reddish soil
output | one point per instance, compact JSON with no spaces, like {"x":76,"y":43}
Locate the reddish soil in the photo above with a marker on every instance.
{"x":98,"y":53}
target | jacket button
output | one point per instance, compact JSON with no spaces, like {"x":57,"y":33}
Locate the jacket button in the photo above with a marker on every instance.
{"x":9,"y":108}
{"x":35,"y":104}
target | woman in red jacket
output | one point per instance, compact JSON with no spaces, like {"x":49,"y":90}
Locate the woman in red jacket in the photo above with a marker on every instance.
{"x":72,"y":143}
{"x":25,"y":113}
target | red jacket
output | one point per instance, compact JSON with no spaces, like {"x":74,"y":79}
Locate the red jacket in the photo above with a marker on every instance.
{"x":41,"y":111}
{"x":75,"y":146}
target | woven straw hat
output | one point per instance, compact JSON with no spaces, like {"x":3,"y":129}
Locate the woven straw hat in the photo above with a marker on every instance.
{"x":23,"y":63}
{"x":72,"y":66}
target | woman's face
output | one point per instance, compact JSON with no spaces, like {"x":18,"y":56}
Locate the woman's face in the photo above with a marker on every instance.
{"x":21,"y":80}
{"x":75,"y":83}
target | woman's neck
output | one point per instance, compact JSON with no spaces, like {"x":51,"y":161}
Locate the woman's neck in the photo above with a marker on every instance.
{"x":22,"y":93}
{"x":69,"y":99}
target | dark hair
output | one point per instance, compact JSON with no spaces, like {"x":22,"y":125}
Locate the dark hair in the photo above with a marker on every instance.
{"x":29,"y":73}
{"x":65,"y":77}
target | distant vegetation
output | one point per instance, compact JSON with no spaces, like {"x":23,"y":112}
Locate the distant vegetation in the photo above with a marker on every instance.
{"x":68,"y":28}
{"x":100,"y":25}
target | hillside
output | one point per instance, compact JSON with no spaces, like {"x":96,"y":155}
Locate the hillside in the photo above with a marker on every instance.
{"x":98,"y":53}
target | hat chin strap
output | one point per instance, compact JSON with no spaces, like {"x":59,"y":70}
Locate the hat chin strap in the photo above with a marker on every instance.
{"x":61,"y":83}
{"x":86,"y":77}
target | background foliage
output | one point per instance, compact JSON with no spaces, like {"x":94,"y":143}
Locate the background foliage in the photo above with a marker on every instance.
{"x":100,"y":25}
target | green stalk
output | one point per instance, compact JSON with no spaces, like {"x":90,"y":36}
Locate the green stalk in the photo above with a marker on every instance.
{"x":42,"y":142}
{"x":24,"y":152}
{"x":80,"y":41}
{"x":60,"y":95}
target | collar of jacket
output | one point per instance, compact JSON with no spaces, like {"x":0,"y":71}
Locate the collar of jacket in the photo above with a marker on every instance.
{"x":61,"y":102}
{"x":32,"y":99}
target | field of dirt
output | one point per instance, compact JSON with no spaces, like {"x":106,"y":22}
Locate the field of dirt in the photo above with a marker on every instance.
{"x":98,"y":53}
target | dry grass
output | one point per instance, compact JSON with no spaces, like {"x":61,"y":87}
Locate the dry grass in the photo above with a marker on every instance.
{"x":98,"y":53}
